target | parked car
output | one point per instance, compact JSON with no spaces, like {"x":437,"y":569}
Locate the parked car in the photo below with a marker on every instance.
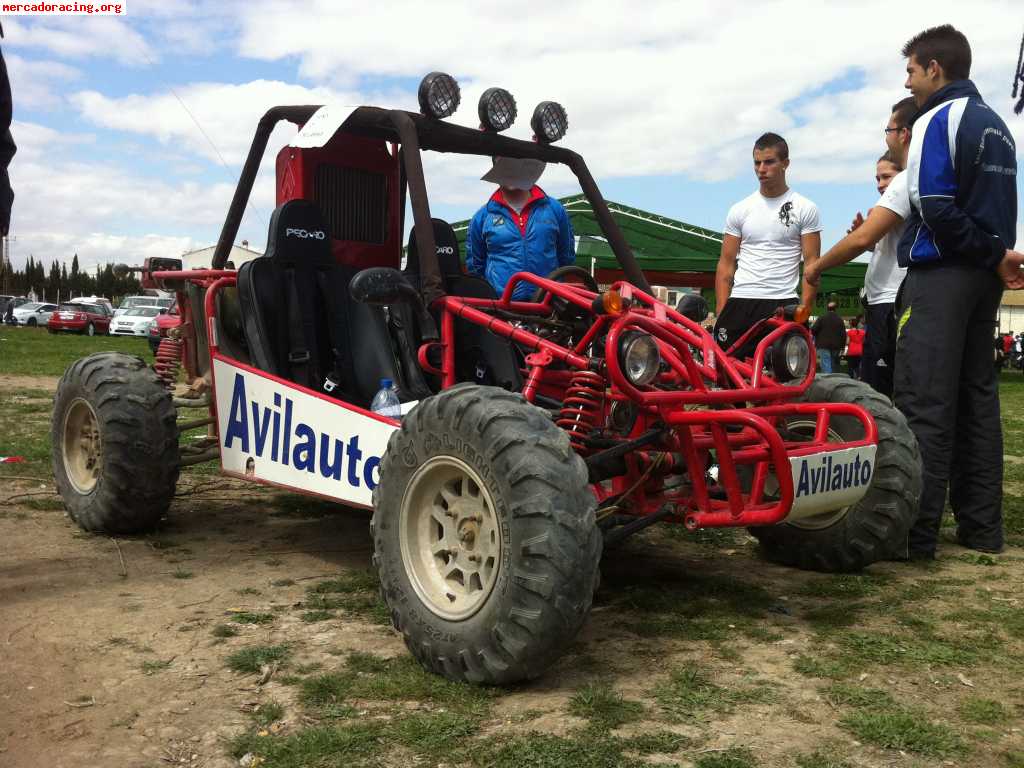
{"x":94,"y":300}
{"x":8,"y":304}
{"x":89,"y":319}
{"x":131,"y":302}
{"x":33,"y":313}
{"x":135,"y":321}
{"x":161,"y":324}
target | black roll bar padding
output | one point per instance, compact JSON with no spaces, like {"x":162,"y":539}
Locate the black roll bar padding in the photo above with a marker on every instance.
{"x":431,"y":284}
{"x":274,"y":115}
{"x":421,"y":132}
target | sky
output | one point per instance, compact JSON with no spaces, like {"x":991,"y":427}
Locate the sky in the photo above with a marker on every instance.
{"x":131,"y":130}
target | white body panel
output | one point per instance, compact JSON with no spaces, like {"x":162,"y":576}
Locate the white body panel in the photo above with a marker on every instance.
{"x":823,"y":482}
{"x":275,"y":433}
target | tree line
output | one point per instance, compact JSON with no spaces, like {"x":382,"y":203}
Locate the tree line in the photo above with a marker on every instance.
{"x":59,"y":284}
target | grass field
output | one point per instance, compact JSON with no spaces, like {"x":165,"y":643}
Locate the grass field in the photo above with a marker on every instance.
{"x":698,"y":653}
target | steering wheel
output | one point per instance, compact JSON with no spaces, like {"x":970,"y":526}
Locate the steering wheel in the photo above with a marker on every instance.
{"x":568,"y":274}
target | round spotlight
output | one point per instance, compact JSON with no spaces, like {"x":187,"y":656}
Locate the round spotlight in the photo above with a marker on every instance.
{"x":639,"y":357}
{"x":791,"y":357}
{"x":549,"y":121}
{"x":497,"y":109}
{"x":439,"y":95}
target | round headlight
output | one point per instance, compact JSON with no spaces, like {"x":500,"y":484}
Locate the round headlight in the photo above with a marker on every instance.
{"x":439,"y":95}
{"x":549,"y":121}
{"x":791,"y":357}
{"x":639,"y":357}
{"x":497,"y":109}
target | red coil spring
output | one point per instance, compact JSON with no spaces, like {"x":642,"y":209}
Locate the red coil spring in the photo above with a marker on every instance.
{"x":168,"y":361}
{"x":581,"y":407}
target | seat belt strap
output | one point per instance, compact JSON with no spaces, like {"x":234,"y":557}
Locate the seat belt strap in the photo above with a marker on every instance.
{"x":298,"y":352}
{"x":333,"y":379}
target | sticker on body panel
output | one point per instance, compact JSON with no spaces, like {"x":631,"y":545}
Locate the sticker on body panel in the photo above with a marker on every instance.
{"x":823,"y":482}
{"x":272,"y":432}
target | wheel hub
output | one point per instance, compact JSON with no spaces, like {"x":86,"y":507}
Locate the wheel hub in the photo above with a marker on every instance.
{"x":82,"y":449}
{"x":450,"y":542}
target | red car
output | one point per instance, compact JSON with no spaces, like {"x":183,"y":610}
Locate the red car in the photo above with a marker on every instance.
{"x":89,"y":319}
{"x":161,"y":324}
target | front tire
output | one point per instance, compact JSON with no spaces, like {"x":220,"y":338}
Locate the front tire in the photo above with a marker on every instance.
{"x":874,"y":528}
{"x":115,"y":444}
{"x":484,"y":536}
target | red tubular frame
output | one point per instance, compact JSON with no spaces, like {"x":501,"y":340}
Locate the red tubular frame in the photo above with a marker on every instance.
{"x":724,"y":405}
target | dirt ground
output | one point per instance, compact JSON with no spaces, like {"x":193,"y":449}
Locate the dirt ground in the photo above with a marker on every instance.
{"x":109,"y":657}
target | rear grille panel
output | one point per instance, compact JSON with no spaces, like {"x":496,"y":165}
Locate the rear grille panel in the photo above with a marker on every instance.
{"x":354,"y":203}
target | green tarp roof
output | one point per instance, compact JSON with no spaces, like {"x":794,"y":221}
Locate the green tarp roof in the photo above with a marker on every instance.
{"x":664,"y":245}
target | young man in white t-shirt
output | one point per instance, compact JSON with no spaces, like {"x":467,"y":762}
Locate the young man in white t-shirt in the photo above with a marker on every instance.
{"x":881,"y":231}
{"x":766,"y":235}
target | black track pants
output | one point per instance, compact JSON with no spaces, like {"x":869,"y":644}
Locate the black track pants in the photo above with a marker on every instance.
{"x":876,"y":365}
{"x":947,"y":388}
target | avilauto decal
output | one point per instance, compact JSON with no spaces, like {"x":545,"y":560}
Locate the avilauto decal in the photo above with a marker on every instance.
{"x":272,"y":431}
{"x":832,"y":476}
{"x":266,"y":420}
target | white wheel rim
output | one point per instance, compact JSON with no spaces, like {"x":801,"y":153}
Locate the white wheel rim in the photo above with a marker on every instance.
{"x":81,"y":450}
{"x":825,"y":519}
{"x":450,"y":538}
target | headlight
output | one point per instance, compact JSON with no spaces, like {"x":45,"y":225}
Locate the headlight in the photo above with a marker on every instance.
{"x":439,"y":95}
{"x":791,"y":357}
{"x":639,"y":357}
{"x":549,"y":122}
{"x":497,"y":109}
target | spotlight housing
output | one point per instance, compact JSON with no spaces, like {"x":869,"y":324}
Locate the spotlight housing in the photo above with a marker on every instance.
{"x":549,"y":122}
{"x":497,"y":110}
{"x":439,"y":95}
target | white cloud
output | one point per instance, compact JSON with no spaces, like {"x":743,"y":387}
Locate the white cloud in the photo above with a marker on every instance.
{"x":78,"y":37}
{"x":33,"y":83}
{"x":63,"y":206}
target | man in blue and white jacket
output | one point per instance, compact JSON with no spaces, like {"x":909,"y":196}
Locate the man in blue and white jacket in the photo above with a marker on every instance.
{"x":958,"y":245}
{"x":520,"y":229}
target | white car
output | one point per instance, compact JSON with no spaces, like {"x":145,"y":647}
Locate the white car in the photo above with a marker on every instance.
{"x":135,"y":321}
{"x":131,"y":302}
{"x":34,"y":313}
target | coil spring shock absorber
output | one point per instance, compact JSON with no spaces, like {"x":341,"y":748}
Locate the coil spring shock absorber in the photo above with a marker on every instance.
{"x":581,"y":407}
{"x":168,"y":361}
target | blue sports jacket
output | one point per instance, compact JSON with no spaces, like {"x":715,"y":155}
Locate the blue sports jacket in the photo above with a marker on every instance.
{"x":962,"y":175}
{"x":501,"y":242}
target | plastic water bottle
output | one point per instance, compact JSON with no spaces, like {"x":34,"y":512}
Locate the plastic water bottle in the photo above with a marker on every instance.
{"x":386,"y":402}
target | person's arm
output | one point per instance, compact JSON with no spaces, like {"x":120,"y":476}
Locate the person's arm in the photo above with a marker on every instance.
{"x":566,"y":240}
{"x":810,"y":244}
{"x":476,"y":248}
{"x":726,"y":270}
{"x":1011,"y":270}
{"x":879,"y":223}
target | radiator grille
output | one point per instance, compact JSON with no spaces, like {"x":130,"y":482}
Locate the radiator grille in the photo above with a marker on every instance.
{"x":354,"y":203}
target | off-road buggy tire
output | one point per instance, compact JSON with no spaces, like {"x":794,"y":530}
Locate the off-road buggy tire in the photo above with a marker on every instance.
{"x":544,"y":510}
{"x":875,"y":528}
{"x":135,"y":438}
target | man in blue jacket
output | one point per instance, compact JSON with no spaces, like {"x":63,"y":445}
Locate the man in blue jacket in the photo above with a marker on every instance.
{"x":957,"y":246}
{"x":520,"y":229}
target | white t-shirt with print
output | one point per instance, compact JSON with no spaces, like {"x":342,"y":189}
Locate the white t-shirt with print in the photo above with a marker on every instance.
{"x":884,"y":274}
{"x":769,"y":229}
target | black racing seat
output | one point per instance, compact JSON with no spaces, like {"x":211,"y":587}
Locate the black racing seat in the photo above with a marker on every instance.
{"x":300,"y":322}
{"x":481,"y":356}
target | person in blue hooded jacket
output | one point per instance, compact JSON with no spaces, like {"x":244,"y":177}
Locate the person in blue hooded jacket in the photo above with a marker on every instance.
{"x":520,"y":229}
{"x":958,"y":248}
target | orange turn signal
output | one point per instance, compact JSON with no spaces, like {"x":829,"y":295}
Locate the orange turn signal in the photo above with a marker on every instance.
{"x":611,"y":301}
{"x":802,"y":313}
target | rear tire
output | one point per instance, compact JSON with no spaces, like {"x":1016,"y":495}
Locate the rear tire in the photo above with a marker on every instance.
{"x":31,"y":322}
{"x":482,"y":454}
{"x":90,"y":330}
{"x":874,"y":528}
{"x":115,"y":444}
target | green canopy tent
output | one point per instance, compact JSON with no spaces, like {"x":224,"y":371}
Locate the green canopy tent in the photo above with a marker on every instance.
{"x":670,"y":252}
